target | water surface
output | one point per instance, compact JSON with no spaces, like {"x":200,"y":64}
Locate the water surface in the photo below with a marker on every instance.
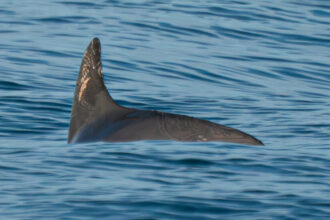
{"x":261,"y":67}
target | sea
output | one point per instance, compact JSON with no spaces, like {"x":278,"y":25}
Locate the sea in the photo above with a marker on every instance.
{"x":259,"y":66}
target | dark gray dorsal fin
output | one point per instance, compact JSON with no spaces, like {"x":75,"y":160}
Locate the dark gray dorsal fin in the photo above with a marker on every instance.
{"x":91,"y":97}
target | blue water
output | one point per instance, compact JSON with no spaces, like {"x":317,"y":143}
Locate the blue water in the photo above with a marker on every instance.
{"x":258,"y":66}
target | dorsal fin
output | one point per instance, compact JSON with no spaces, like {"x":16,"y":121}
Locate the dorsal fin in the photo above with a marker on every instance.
{"x":91,"y":97}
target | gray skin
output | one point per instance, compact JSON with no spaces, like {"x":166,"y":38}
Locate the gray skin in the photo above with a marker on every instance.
{"x":97,"y":117}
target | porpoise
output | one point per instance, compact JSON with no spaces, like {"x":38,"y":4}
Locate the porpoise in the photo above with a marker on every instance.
{"x":97,"y":117}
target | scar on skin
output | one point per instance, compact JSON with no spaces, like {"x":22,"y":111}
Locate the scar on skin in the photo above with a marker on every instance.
{"x":100,"y":71}
{"x":83,"y":87}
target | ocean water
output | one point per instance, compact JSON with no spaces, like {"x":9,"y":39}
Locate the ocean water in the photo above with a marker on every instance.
{"x":258,"y":66}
